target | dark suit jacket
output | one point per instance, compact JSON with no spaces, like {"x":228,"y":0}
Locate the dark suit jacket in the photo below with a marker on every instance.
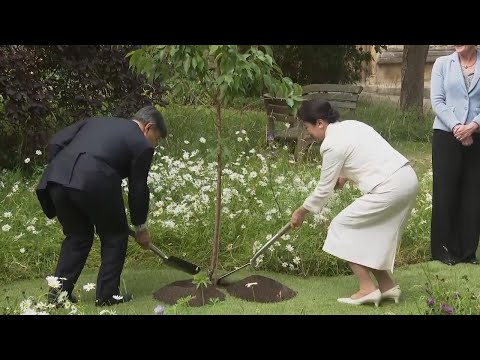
{"x":94,"y":155}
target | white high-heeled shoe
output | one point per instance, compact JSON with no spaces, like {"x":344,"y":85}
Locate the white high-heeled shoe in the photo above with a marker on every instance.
{"x":373,"y":297}
{"x":394,"y":293}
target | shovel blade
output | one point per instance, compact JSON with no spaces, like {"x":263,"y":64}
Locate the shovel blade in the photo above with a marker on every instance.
{"x":172,"y":261}
{"x":182,"y":265}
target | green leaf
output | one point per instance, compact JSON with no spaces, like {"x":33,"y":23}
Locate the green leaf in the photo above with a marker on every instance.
{"x":213,"y":49}
{"x":268,"y":50}
{"x":290,"y":102}
{"x":236,"y":83}
{"x":277,"y":69}
{"x":200,"y":63}
{"x":272,"y":89}
{"x":132,"y":53}
{"x":267,"y":80}
{"x":220,"y":80}
{"x":269,"y":60}
{"x":284,"y":90}
{"x":186,"y":64}
{"x":228,"y":79}
{"x":173,"y":50}
{"x":256,"y":69}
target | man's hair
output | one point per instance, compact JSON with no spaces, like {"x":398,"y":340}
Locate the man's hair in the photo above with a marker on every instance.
{"x":149,"y":114}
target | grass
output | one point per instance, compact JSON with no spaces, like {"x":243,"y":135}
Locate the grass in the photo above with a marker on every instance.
{"x":315,"y":295}
{"x":419,"y":154}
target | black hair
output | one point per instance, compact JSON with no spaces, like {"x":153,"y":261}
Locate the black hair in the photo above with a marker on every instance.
{"x":315,"y":109}
{"x":149,"y":114}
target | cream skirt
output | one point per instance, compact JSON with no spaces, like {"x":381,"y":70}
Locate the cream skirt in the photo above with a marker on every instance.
{"x":368,"y":231}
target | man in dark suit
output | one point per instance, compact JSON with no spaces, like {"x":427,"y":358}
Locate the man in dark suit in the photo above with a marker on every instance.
{"x":82,"y":187}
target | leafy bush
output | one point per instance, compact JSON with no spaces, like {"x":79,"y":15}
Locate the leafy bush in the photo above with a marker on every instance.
{"x":43,"y":88}
{"x":333,"y":64}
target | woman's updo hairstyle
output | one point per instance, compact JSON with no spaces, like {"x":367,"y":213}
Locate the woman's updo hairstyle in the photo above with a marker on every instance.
{"x":315,"y":109}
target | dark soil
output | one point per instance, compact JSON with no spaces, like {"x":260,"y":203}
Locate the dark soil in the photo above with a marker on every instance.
{"x":265,"y":290}
{"x":261,"y":289}
{"x":171,"y":293}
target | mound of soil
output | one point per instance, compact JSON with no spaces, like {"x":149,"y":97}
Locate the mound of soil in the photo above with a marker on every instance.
{"x":259,"y":288}
{"x":171,"y":293}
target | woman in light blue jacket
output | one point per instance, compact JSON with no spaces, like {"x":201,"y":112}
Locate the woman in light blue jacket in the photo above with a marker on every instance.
{"x":455,"y":96}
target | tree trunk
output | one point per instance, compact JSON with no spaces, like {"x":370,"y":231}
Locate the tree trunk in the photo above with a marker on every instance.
{"x":218,"y":202}
{"x":413,"y":67}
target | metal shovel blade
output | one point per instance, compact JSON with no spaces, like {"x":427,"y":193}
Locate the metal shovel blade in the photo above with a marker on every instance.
{"x":172,"y":261}
{"x":252,"y":261}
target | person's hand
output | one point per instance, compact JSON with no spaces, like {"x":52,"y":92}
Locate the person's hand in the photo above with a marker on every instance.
{"x":340,"y":183}
{"x":143,"y":239}
{"x":297,"y":217}
{"x":462,"y":132}
{"x":468,"y":141}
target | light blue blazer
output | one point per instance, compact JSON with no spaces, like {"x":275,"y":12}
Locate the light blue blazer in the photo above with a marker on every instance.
{"x":452,"y":102}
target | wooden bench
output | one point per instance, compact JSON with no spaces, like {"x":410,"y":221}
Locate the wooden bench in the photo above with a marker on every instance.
{"x":343,"y":97}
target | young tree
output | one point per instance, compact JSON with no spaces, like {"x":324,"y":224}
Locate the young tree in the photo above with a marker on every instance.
{"x":224,"y":73}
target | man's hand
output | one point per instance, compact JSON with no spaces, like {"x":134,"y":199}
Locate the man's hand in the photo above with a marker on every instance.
{"x":297,"y":217}
{"x":340,"y":183}
{"x":462,"y":132}
{"x":143,"y":239}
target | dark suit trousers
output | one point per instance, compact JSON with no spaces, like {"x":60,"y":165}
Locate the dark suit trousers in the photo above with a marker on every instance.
{"x":79,"y":212}
{"x":455,"y":224}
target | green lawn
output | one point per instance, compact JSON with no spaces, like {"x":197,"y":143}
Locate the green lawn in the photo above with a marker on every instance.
{"x":316,"y":295}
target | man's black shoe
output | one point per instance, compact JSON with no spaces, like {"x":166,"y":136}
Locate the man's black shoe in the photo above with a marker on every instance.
{"x":53,"y":295}
{"x":114,"y":300}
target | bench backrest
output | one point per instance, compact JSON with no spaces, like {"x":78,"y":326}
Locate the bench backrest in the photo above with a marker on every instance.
{"x":342,"y":97}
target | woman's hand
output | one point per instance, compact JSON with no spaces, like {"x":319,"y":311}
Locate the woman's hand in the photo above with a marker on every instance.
{"x":468,"y":141}
{"x":462,"y":132}
{"x":298,"y":216}
{"x":340,"y":183}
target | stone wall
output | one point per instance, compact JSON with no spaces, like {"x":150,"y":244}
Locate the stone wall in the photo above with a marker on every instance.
{"x":383,"y":75}
{"x":381,"y":79}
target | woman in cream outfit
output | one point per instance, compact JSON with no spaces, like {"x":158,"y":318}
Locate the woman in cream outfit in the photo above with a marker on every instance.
{"x":367,"y":233}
